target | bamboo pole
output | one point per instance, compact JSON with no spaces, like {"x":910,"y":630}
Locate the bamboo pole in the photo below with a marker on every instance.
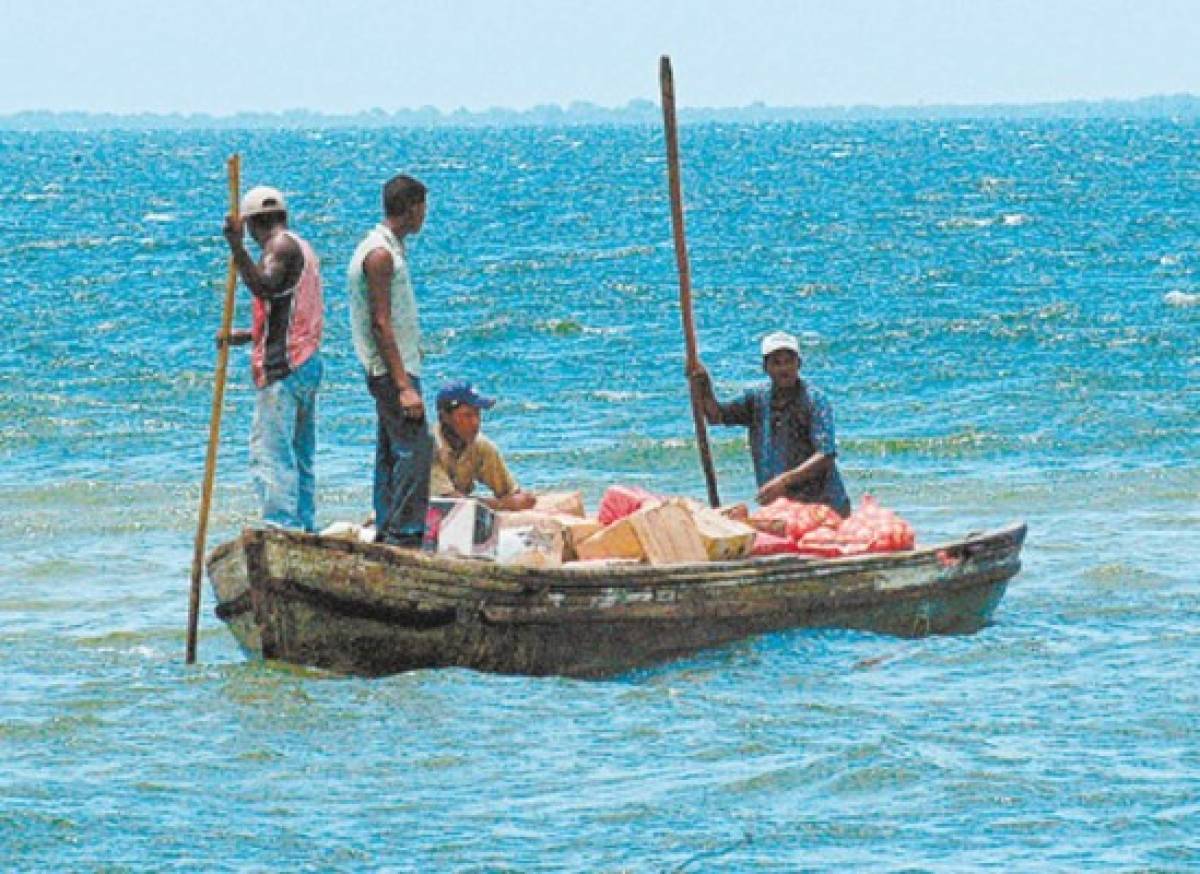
{"x":234,"y":166}
{"x":667,"y":80}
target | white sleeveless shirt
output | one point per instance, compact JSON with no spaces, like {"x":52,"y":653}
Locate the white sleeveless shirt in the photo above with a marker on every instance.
{"x":405,"y":320}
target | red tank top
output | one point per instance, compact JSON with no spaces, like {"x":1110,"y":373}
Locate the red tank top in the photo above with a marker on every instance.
{"x":287,"y":327}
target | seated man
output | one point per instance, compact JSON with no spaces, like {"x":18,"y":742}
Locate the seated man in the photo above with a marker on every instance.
{"x":791,"y":429}
{"x":463,"y":456}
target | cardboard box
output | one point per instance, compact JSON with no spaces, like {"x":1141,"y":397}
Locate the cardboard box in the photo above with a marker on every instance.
{"x":575,"y":531}
{"x":562,"y":503}
{"x":523,"y":518}
{"x":539,"y":545}
{"x":460,"y":527}
{"x":668,"y":534}
{"x":737,"y":512}
{"x":724,"y":539}
{"x":617,"y":540}
{"x":660,"y":533}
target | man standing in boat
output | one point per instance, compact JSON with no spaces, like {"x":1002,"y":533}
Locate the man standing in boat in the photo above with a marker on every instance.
{"x":792,"y":439}
{"x":285,"y":362}
{"x":387,"y":340}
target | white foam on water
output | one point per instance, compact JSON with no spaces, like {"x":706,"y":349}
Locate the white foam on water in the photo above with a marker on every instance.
{"x":963,"y":222}
{"x":1181,"y":299}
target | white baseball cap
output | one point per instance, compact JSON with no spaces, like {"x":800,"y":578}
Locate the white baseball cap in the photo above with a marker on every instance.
{"x":779,"y":340}
{"x":263,"y":199}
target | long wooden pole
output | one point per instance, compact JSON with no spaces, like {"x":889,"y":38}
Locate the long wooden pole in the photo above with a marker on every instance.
{"x":234,"y":166}
{"x":667,"y":80}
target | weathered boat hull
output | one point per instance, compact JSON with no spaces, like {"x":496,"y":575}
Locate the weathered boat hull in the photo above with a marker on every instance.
{"x":372,"y":609}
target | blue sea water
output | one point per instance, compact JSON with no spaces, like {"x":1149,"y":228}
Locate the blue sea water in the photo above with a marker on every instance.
{"x":1004,"y":314}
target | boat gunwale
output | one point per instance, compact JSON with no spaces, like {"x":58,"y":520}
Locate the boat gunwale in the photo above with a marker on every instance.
{"x":396,"y":555}
{"x":1006,"y":538}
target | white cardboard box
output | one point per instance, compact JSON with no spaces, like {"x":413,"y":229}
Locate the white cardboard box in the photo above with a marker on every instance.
{"x":462,"y":527}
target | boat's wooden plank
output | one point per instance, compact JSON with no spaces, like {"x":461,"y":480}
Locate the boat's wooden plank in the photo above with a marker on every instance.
{"x":705,"y":596}
{"x":621,"y":605}
{"x":364,"y":577}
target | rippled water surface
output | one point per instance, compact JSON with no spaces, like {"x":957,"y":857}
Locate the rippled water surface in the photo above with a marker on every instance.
{"x":1003,"y":314}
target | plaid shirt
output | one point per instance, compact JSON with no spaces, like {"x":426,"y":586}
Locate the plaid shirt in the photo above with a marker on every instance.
{"x":786,"y":429}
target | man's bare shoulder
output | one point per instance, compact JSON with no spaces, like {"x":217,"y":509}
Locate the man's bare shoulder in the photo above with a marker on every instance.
{"x":284,"y":247}
{"x":379,"y":260}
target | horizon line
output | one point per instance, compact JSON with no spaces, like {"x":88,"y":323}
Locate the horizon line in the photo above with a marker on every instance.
{"x":635,"y":110}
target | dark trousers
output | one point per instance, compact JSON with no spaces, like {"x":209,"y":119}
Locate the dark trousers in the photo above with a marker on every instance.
{"x":403,"y":455}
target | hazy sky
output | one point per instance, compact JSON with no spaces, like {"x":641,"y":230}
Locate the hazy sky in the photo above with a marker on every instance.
{"x":220,"y":56}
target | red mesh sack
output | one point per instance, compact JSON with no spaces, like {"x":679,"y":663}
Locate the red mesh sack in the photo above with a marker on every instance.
{"x":621,"y":501}
{"x":877,"y":528}
{"x":769,"y":544}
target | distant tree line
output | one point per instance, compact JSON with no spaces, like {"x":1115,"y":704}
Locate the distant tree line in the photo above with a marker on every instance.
{"x":635,"y":112}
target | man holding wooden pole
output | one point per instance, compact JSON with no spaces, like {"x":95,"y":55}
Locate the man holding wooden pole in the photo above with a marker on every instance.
{"x":285,"y":362}
{"x":792,"y":439}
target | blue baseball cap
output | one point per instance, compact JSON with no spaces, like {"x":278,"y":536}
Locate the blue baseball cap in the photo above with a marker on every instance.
{"x":455,"y":394}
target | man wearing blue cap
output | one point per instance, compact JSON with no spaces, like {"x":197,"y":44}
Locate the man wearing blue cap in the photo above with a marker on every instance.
{"x":463,"y":456}
{"x":791,"y":429}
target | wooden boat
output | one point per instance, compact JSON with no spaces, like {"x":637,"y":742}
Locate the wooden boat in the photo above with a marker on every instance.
{"x":372,"y":609}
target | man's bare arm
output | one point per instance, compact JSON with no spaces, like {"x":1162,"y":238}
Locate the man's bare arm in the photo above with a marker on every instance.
{"x":379,"y":270}
{"x":813,"y":466}
{"x":702,"y":383}
{"x":281,"y":265}
{"x":517,"y":500}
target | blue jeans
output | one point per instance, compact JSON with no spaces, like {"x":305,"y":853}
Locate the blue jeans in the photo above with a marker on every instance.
{"x":283,"y":445}
{"x":403,"y":456}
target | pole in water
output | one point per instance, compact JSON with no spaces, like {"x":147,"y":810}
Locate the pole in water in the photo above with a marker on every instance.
{"x":234,"y":167}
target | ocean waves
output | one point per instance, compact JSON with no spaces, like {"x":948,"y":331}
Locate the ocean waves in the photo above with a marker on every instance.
{"x":1001,"y":314}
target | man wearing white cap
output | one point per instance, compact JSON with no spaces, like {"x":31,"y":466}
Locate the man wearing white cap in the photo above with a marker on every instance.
{"x":287,"y":320}
{"x":791,"y":429}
